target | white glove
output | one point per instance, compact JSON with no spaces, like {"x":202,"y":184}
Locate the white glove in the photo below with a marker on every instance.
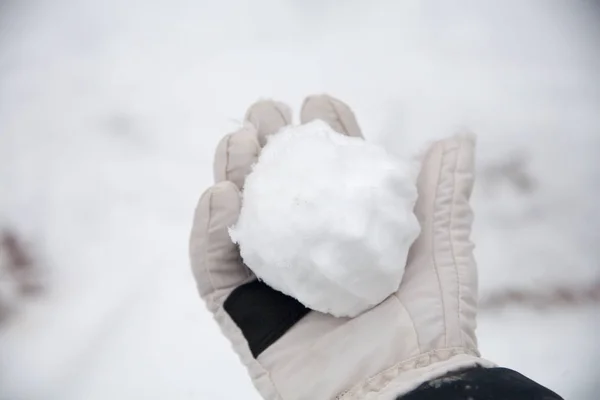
{"x":423,"y":331}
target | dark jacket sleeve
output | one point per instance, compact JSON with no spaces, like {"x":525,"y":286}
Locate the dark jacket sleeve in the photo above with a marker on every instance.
{"x":481,"y":383}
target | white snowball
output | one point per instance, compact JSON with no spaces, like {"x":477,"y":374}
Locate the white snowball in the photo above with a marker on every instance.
{"x":327,"y":219}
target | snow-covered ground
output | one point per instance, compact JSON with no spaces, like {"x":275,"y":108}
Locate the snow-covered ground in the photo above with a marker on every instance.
{"x":110,"y":112}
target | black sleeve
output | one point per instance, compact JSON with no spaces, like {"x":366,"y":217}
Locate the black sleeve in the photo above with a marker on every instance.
{"x":481,"y":384}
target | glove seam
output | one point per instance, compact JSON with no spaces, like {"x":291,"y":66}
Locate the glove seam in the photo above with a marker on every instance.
{"x":205,"y":251}
{"x":412,"y":322}
{"x":338,"y":116}
{"x":289,"y":317}
{"x":454,"y":351}
{"x":433,"y":248}
{"x":278,"y":107}
{"x":252,"y":365}
{"x":460,"y":148}
{"x":227,"y":143}
{"x":398,"y":367}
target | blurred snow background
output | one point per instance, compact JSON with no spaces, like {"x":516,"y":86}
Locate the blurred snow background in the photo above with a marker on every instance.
{"x":110,"y":112}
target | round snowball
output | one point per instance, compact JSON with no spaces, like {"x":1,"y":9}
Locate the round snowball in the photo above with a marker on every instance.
{"x":327,"y":219}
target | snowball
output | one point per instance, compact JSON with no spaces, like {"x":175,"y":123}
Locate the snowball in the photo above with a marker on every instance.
{"x":327,"y":219}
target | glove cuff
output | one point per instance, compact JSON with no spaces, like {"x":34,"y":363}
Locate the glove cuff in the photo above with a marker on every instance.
{"x":409,"y":374}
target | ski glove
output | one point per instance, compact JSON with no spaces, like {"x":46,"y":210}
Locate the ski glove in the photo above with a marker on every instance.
{"x":423,"y":331}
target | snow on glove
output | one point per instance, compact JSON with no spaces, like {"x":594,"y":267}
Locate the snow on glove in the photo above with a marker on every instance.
{"x":421,"y":332}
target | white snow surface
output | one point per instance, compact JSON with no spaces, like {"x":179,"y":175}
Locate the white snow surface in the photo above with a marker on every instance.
{"x":110,"y":112}
{"x":328,"y":219}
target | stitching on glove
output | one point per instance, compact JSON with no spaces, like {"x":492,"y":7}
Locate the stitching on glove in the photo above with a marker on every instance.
{"x":434,"y":258}
{"x":283,"y":325}
{"x":278,"y":107}
{"x":395,"y":370}
{"x":412,"y":322}
{"x":226,"y":172}
{"x":239,"y":341}
{"x":338,"y":116}
{"x":459,"y":153}
{"x":205,"y":255}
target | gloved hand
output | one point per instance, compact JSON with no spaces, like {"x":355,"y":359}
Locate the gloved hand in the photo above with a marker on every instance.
{"x":423,"y":331}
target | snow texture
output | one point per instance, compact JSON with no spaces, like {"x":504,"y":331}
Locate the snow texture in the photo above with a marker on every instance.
{"x":110,"y":112}
{"x":328,"y":219}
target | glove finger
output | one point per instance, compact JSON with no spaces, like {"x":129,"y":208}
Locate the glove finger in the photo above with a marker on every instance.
{"x":441,"y":272}
{"x":268,"y":117}
{"x":215,"y":259}
{"x":444,"y":188}
{"x":235,"y":155}
{"x":331,"y":110}
{"x":238,"y":151}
